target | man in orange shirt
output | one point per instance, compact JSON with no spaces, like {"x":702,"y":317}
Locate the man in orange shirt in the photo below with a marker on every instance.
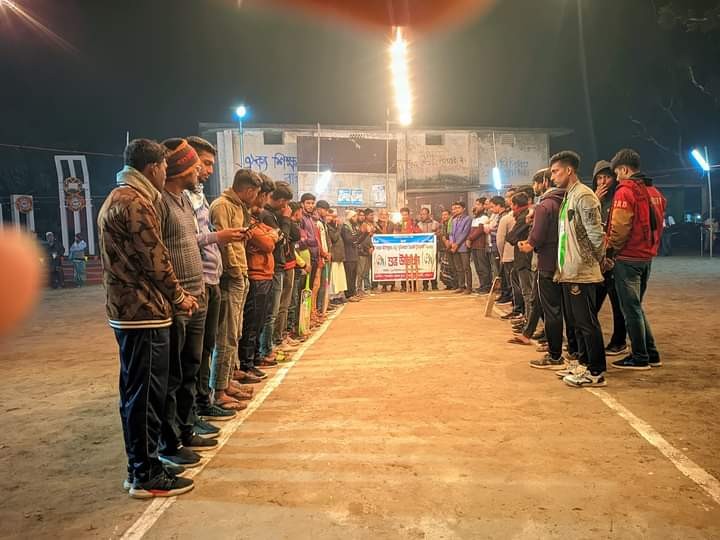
{"x":261,"y":268}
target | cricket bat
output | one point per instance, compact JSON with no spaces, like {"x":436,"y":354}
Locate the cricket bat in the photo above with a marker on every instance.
{"x":491,"y":296}
{"x":305,"y":308}
{"x":326,"y":296}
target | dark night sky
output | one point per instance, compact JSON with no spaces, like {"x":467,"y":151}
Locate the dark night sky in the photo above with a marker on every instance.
{"x":157,"y":68}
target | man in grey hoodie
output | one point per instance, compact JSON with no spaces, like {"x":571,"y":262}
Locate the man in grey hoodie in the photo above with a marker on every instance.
{"x":581,"y":248}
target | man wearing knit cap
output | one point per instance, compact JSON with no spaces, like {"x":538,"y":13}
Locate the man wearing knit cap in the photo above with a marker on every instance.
{"x":179,"y":230}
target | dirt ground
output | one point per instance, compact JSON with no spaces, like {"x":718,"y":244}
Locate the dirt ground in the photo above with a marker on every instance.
{"x":411,"y":417}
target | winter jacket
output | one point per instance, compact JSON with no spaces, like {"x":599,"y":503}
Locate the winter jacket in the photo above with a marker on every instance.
{"x":429,"y":226}
{"x":140,"y":282}
{"x":460,"y":231}
{"x":365,"y":241}
{"x":505,"y":225}
{"x":229,"y":212}
{"x":337,"y":245}
{"x":350,"y":236}
{"x":260,"y":247}
{"x":606,"y":201}
{"x":275,"y":219}
{"x":478,"y":236}
{"x":310,"y":238}
{"x":290,"y":246}
{"x":581,"y":240}
{"x":519,"y":232}
{"x":544,"y":232}
{"x":636,"y":220}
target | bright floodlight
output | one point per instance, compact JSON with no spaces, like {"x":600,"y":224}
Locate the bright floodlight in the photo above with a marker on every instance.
{"x":704,"y":165}
{"x":401,"y":78}
{"x":323,"y":181}
{"x":497,"y":179}
{"x":241,"y":111}
{"x":396,"y":217}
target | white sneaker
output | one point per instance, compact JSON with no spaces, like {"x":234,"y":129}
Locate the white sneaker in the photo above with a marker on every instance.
{"x":584,"y":378}
{"x":571,"y":367}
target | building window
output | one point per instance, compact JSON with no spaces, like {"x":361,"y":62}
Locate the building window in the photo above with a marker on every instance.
{"x":434,"y":139}
{"x":272,"y":137}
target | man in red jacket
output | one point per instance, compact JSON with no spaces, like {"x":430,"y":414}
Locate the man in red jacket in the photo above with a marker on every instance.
{"x":634,"y":232}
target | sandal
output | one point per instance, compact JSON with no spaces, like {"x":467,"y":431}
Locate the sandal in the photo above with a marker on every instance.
{"x":230,"y":404}
{"x":518,"y":341}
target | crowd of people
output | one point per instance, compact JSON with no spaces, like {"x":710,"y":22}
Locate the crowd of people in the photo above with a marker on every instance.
{"x":205,"y":298}
{"x":558,"y":249}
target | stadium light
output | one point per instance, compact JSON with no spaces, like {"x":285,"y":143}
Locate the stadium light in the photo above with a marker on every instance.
{"x":703,"y":159}
{"x":497,"y":179}
{"x":700,"y":159}
{"x":401,"y":78}
{"x":241,"y":112}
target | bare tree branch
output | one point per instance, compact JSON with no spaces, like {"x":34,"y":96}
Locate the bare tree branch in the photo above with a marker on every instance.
{"x":695,"y":83}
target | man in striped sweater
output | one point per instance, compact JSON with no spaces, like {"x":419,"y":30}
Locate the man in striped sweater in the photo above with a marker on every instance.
{"x":179,"y":230}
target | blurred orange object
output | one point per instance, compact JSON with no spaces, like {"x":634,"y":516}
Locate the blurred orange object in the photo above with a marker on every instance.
{"x":21,"y":277}
{"x":418,"y":14}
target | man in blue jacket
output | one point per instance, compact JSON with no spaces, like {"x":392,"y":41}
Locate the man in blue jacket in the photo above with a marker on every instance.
{"x":461,"y":223}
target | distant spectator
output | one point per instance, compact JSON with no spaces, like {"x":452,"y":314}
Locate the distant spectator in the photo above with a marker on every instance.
{"x":77,"y":257}
{"x":55,"y":251}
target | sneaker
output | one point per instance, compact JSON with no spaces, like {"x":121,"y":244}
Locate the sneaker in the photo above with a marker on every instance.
{"x":539,"y":336}
{"x":199,"y":443}
{"x":585,"y":378}
{"x":548,"y":362}
{"x":572,"y":367}
{"x":615,"y":350}
{"x":206,"y":429}
{"x":631,"y":363}
{"x":542,"y":347}
{"x":162,"y":485}
{"x":258,"y":374}
{"x":213,"y":412}
{"x":655,"y":362}
{"x":511,"y":315}
{"x":184,"y":456}
{"x":501,"y":301}
{"x":172,"y":470}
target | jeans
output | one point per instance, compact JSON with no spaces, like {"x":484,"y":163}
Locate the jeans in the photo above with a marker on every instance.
{"x":461,"y":264}
{"x":481,"y":261}
{"x":513,"y":283}
{"x":580,"y":302}
{"x":256,"y":306}
{"x":233,"y":293}
{"x":608,"y":289}
{"x":351,"y":275}
{"x":631,"y":280}
{"x":525,"y":279}
{"x":144,"y":357}
{"x":212,"y":294}
{"x":281,"y":322}
{"x":268,"y":329}
{"x":186,"y":347}
{"x":535,"y":313}
{"x":79,"y":271}
{"x":550,"y":293}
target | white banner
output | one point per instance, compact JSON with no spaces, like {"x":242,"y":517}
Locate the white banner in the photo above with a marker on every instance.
{"x":393,"y":252}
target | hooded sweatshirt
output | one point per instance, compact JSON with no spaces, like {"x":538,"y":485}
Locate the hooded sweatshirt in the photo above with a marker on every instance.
{"x":606,"y":201}
{"x":260,"y":247}
{"x":544,"y":233}
{"x":636,"y":220}
{"x":139,"y":279}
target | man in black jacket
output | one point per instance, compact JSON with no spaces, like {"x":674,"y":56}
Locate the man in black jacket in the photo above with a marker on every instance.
{"x":350,"y":233}
{"x":522,"y":264}
{"x":276,"y":215}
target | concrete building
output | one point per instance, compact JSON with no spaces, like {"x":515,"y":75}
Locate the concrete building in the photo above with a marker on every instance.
{"x":371,"y":167}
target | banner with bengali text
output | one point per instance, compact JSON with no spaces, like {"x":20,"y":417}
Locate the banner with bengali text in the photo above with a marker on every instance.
{"x":391,"y":252}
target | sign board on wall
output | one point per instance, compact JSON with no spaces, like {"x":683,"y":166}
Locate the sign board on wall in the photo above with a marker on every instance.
{"x":349,"y":197}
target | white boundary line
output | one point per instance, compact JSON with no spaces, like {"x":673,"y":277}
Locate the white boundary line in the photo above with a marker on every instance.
{"x":161,"y":504}
{"x":684,"y":464}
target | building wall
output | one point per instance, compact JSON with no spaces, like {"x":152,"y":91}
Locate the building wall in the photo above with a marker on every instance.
{"x":463,"y":162}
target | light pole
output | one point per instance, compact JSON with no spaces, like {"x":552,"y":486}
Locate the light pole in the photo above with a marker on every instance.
{"x":704,"y":162}
{"x":241,"y":112}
